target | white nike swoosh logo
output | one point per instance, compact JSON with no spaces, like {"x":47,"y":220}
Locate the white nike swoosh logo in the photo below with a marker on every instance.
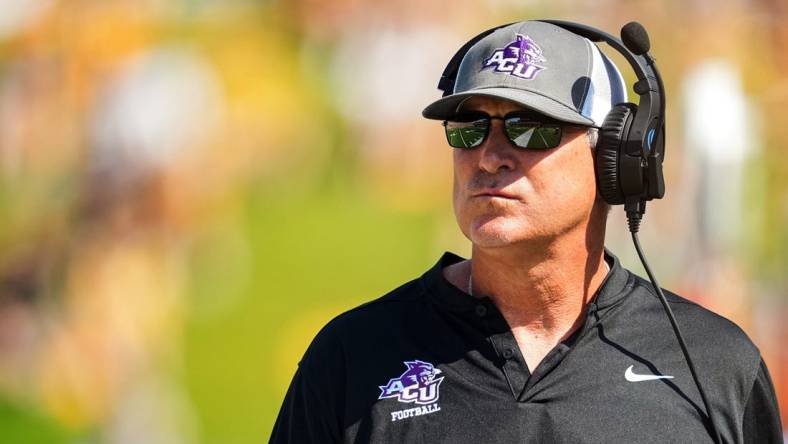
{"x":634,"y":377}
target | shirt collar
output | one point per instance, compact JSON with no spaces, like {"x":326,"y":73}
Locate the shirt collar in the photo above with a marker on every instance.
{"x":612,"y":290}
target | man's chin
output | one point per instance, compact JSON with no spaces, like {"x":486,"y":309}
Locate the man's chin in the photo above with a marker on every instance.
{"x":491,"y":236}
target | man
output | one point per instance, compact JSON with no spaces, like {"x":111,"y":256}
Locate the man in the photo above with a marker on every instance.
{"x":542,"y":336}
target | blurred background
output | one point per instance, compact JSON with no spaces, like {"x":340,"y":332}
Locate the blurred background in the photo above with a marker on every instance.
{"x":192,"y":188}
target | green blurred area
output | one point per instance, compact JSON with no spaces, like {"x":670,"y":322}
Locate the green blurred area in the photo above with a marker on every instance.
{"x":315,"y":255}
{"x":27,"y":425}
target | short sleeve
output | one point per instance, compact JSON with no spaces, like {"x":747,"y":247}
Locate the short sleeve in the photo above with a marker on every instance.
{"x":306,"y":415}
{"x":313,"y":408}
{"x":761,"y":423}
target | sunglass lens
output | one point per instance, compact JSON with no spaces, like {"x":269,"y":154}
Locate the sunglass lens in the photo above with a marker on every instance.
{"x":466,"y":134}
{"x":533,"y":135}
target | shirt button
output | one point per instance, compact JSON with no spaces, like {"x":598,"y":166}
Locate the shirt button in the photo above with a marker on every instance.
{"x":481,"y":311}
{"x":508,"y":353}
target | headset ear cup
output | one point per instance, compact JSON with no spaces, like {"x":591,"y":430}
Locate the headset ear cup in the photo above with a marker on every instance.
{"x":608,"y":149}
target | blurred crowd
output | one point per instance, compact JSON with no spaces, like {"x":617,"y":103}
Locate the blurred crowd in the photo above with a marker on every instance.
{"x":171,"y":169}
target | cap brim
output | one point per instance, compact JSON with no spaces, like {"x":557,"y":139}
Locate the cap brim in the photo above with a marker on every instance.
{"x":446,"y":107}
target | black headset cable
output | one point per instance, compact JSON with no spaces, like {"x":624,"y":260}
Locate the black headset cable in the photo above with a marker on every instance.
{"x":633,"y":219}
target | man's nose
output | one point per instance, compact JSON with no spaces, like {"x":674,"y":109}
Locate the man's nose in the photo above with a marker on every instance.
{"x":496,"y":151}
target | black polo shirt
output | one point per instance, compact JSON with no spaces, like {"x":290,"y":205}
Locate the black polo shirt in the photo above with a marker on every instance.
{"x":429,"y":363}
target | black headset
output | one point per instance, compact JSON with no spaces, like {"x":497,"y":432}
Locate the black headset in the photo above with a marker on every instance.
{"x":631,"y":145}
{"x":630,"y":149}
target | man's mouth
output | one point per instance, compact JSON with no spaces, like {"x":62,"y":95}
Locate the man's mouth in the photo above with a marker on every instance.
{"x":496,"y":193}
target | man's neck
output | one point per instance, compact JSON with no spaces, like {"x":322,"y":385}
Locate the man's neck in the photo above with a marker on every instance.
{"x":541,"y":289}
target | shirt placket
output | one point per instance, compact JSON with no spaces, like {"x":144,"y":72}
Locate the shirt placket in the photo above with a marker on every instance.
{"x":558,"y":353}
{"x":509,"y":359}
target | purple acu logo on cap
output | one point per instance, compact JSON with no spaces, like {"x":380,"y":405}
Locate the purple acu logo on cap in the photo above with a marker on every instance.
{"x":519,"y":58}
{"x":417,"y":384}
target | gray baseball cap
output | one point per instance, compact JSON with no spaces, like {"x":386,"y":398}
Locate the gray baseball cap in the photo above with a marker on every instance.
{"x":542,"y":67}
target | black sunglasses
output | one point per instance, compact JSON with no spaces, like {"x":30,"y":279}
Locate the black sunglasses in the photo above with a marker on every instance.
{"x":524,"y":131}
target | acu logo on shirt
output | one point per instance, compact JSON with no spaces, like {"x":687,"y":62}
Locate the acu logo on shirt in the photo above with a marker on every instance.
{"x":418,"y":384}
